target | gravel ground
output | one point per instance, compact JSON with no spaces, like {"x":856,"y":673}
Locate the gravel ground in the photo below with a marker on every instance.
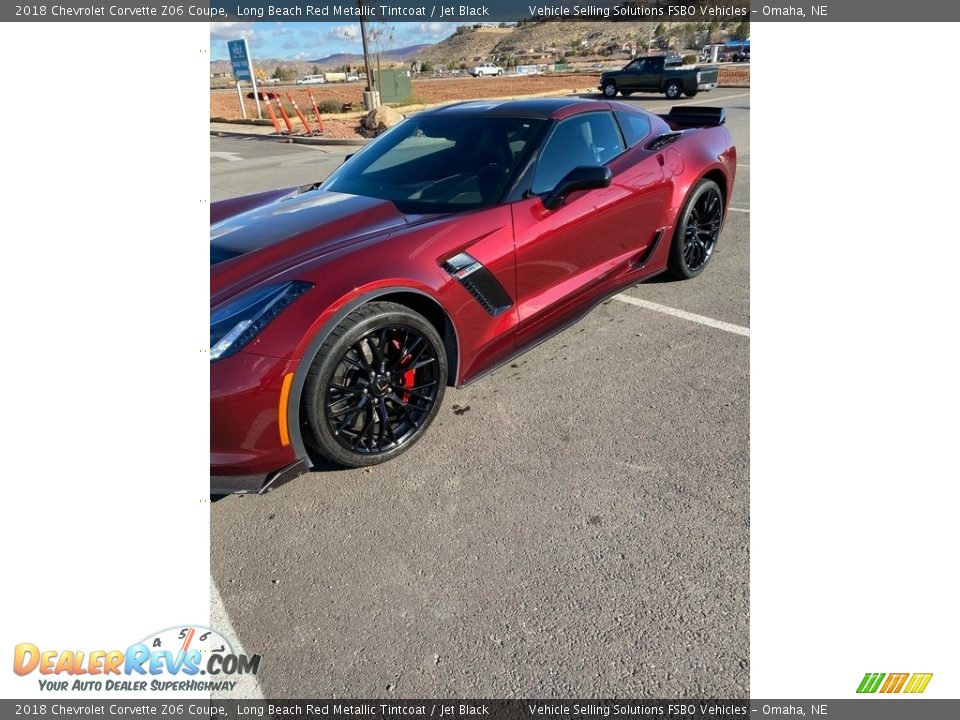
{"x":224,"y":103}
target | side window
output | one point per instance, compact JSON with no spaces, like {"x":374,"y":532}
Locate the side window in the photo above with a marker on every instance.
{"x":589,"y":139}
{"x":635,"y":126}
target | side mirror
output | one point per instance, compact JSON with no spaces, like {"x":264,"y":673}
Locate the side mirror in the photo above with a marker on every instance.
{"x":584,"y":177}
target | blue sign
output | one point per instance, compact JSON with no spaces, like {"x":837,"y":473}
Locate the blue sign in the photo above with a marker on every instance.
{"x":240,"y":59}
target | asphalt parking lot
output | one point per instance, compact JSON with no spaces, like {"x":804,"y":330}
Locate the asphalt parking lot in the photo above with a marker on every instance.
{"x":575,"y":524}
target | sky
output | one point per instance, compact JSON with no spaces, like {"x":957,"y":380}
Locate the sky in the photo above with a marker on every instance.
{"x":310,"y":40}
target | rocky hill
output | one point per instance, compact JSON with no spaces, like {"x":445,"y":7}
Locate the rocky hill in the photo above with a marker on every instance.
{"x":528,"y":43}
{"x":549,"y":41}
{"x":327,"y":62}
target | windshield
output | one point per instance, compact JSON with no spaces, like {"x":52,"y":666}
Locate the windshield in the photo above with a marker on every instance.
{"x":440,"y":164}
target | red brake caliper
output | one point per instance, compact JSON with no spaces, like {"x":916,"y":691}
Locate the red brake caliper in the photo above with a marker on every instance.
{"x":409,"y":376}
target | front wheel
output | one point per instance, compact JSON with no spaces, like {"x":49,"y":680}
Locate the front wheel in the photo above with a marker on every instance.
{"x":673,"y":90}
{"x":609,"y":89}
{"x":375,"y":386}
{"x":697,"y":231}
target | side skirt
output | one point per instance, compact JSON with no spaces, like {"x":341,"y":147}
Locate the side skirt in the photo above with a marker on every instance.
{"x":553,"y":332}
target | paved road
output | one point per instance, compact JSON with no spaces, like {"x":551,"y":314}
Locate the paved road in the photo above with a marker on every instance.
{"x":575,"y":524}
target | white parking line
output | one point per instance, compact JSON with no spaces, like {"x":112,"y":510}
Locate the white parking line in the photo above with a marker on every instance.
{"x":735,"y":209}
{"x":247,"y":686}
{"x":228,"y":156}
{"x":683,"y":314}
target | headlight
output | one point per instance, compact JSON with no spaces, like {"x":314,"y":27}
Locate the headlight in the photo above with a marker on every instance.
{"x":239,"y":321}
{"x":698,"y":76}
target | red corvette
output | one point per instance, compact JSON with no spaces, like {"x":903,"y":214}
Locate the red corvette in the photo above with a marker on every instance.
{"x":461,"y":237}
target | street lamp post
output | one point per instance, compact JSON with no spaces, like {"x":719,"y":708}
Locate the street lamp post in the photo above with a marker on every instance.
{"x":363,"y":39}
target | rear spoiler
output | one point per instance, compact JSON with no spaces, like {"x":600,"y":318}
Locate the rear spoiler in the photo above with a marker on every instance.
{"x":685,"y":116}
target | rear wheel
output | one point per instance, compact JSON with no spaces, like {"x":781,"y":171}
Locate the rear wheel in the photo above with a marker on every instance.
{"x":697,"y":231}
{"x":610,"y":89}
{"x":673,"y":90}
{"x":375,"y":386}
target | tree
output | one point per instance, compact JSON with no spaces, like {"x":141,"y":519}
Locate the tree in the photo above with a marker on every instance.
{"x":426,"y":67}
{"x":743,"y":31}
{"x":315,"y":70}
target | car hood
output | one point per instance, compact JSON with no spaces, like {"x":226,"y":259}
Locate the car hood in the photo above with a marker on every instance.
{"x":269,"y":238}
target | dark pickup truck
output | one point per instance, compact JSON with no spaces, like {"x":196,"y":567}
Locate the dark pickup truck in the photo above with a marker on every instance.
{"x":664,"y":74}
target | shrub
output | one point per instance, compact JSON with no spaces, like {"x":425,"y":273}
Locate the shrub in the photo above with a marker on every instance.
{"x":330,"y":105}
{"x":689,"y":60}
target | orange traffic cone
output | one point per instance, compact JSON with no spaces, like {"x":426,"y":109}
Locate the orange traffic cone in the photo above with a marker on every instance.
{"x":303,"y":118}
{"x":316,"y":112}
{"x":286,"y":118}
{"x":273,"y":115}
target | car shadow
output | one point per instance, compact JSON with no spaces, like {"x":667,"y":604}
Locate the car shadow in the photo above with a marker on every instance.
{"x":638,"y":98}
{"x":661,"y":279}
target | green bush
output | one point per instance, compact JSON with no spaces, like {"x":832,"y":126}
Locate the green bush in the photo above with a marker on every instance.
{"x":330,"y":105}
{"x":689,"y":60}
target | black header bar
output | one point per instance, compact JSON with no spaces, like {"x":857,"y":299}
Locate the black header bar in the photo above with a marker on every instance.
{"x":484,"y":11}
{"x":873,"y":708}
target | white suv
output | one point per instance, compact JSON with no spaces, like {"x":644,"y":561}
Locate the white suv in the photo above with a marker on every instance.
{"x":486,"y":69}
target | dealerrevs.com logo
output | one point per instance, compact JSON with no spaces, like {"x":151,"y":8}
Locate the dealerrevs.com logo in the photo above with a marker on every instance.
{"x":181,"y":659}
{"x":892,"y":683}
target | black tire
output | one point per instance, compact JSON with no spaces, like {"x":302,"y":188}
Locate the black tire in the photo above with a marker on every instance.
{"x":692,"y":93}
{"x":375,"y":386}
{"x":499,"y":73}
{"x":698,"y":230}
{"x":609,"y":89}
{"x":673,"y":90}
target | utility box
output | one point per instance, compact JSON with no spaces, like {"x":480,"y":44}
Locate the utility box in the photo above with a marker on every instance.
{"x":394,"y":85}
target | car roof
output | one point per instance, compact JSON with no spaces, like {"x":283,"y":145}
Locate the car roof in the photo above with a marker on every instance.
{"x":541,"y":108}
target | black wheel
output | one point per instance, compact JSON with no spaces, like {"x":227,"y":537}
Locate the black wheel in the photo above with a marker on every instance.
{"x":697,"y":231}
{"x":499,"y":73}
{"x":375,"y":386}
{"x":610,"y":89}
{"x":673,"y":90}
{"x":692,"y":93}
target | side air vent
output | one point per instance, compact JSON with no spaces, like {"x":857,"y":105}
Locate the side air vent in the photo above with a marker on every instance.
{"x":662,"y":141}
{"x":645,"y":256}
{"x":479,"y":282}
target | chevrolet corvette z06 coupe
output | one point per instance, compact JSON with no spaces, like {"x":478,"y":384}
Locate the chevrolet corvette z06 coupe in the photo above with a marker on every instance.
{"x":341,"y":310}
